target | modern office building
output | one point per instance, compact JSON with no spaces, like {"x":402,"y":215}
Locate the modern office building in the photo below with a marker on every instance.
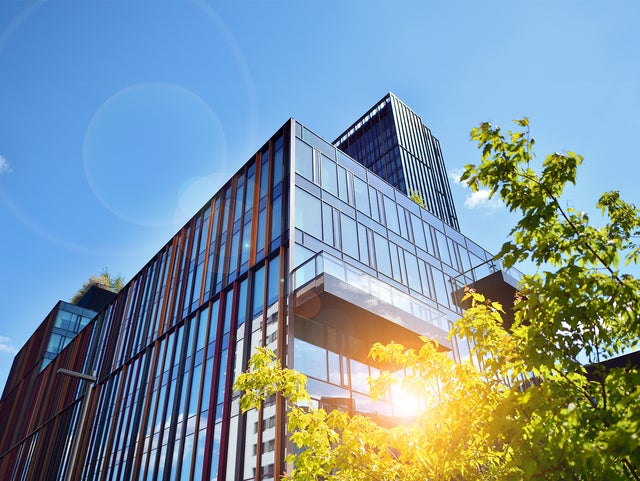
{"x":303,"y":250}
{"x":59,"y":328}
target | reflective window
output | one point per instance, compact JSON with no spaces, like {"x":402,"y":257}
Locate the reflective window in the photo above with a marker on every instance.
{"x":418,"y":233}
{"x":277,"y":162}
{"x":363,"y":244}
{"x":258,"y":290}
{"x":391,"y":214}
{"x":310,"y":359}
{"x":349,"y":235}
{"x":276,"y":218}
{"x":304,"y":159}
{"x":362,"y":195}
{"x":383,"y":260}
{"x":308,"y":212}
{"x":329,"y":175}
{"x":264,"y":174}
{"x":274,"y":280}
{"x":413,"y":274}
{"x":327,"y":224}
{"x":343,"y":190}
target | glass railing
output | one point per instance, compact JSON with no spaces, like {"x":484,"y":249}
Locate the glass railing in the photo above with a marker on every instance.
{"x":479,"y":272}
{"x":325,"y":263}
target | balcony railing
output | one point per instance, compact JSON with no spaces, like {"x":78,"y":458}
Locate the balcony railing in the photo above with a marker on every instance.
{"x":325,"y":263}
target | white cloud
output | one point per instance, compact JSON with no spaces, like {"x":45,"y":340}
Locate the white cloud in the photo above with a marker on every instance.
{"x":4,"y":166}
{"x":455,"y":174}
{"x":480,"y":199}
{"x":6,"y":346}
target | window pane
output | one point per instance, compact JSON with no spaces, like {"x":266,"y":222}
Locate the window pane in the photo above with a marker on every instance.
{"x":363,"y":244}
{"x":327,"y":224}
{"x":383,"y":259}
{"x":362,"y":196}
{"x":329,"y":176}
{"x":391,"y":214}
{"x":304,"y":159}
{"x":308,"y":211}
{"x":258,"y":290}
{"x":274,"y":280}
{"x":276,"y":218}
{"x":349,"y":236}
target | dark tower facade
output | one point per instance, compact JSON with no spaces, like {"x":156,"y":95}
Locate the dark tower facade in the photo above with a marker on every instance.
{"x":392,"y":141}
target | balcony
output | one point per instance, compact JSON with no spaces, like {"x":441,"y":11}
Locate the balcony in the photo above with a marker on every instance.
{"x":332,"y":291}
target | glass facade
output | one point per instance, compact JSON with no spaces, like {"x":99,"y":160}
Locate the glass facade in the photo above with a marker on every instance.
{"x":391,"y":140}
{"x":303,"y":250}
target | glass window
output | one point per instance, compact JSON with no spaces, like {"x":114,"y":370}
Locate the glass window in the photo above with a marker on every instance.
{"x":277,"y":162}
{"x":264,"y":174}
{"x":413,"y":274}
{"x":391,"y":214}
{"x":329,"y":175}
{"x":363,"y":244}
{"x":308,"y":211}
{"x":373,"y":199}
{"x":246,"y":243}
{"x":362,"y":195}
{"x":242,"y":302}
{"x":349,"y":236}
{"x":276,"y":218}
{"x":310,"y":359}
{"x":274,"y":280}
{"x":304,"y":160}
{"x":440,"y":287}
{"x":383,"y":260}
{"x":418,"y":233}
{"x":262,"y":224}
{"x":395,"y":262}
{"x":251,"y":178}
{"x":442,"y":247}
{"x":238,"y":209}
{"x":359,"y":373}
{"x":258,"y":290}
{"x":301,"y":254}
{"x":327,"y":224}
{"x":343,"y":190}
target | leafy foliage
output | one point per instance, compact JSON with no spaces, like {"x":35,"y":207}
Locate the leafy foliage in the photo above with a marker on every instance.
{"x":445,"y":441}
{"x":578,"y":420}
{"x":544,"y":406}
{"x":104,"y":280}
{"x":415,"y":196}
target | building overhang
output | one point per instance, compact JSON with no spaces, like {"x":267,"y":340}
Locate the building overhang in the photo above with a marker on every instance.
{"x":332,"y":301}
{"x":497,"y":286}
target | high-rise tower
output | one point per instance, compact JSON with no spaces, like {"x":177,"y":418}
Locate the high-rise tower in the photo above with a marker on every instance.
{"x":392,"y":141}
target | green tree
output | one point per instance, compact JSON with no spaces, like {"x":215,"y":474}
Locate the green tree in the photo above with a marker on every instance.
{"x":104,"y":280}
{"x":415,"y":196}
{"x":578,"y":420}
{"x":543,"y":407}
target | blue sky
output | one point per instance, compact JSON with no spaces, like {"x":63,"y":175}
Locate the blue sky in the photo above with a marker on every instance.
{"x":118,"y":120}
